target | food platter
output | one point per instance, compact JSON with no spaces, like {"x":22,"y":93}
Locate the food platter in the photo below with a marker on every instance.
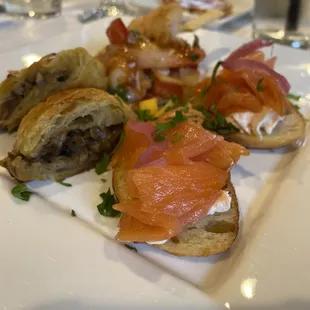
{"x":54,"y":261}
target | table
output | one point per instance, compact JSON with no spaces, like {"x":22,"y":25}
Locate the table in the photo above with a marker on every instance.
{"x":17,"y":33}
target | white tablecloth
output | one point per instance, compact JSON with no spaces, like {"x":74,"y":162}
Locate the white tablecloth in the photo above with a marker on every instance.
{"x":16,"y":33}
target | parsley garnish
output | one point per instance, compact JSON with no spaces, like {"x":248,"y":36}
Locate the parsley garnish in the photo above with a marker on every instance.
{"x":102,"y":165}
{"x":179,"y":117}
{"x":145,"y":115}
{"x":215,"y":121}
{"x":21,"y":192}
{"x":131,"y":248}
{"x":120,"y":91}
{"x":73,"y":213}
{"x":106,"y":207}
{"x":213,"y":76}
{"x":193,"y":57}
{"x":177,"y":139}
{"x":61,"y":182}
{"x":296,"y":106}
{"x":293,"y":97}
{"x":259,"y":86}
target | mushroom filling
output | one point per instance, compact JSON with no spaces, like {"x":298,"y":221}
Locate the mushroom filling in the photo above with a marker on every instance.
{"x":89,"y":144}
{"x":34,"y":77}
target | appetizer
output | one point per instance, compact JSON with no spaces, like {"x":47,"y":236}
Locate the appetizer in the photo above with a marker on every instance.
{"x":23,"y":89}
{"x":144,"y":61}
{"x":172,"y":180}
{"x":253,"y":97}
{"x":66,"y":134}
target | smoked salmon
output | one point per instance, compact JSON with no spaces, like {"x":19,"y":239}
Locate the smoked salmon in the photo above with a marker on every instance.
{"x":177,"y":179}
{"x":247,"y":82}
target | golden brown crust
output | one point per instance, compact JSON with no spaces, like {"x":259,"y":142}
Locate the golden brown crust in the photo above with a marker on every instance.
{"x":67,"y":69}
{"x":289,"y":130}
{"x":62,"y":108}
{"x":48,"y":125}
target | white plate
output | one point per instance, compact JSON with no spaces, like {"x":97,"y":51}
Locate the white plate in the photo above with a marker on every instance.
{"x":240,"y":8}
{"x":50,"y":260}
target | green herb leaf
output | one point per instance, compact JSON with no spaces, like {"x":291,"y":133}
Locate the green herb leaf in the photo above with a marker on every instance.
{"x":177,"y":139}
{"x":296,"y":106}
{"x":106,"y":207}
{"x":119,"y":91}
{"x":103,"y":180}
{"x":293,"y":97}
{"x":102,"y":165}
{"x":160,"y":137}
{"x":213,"y":79}
{"x":162,"y":127}
{"x":193,"y":57}
{"x":73,"y":213}
{"x":215,"y":121}
{"x":61,"y":182}
{"x":213,"y":107}
{"x":131,"y":248}
{"x":21,"y":192}
{"x":145,"y":115}
{"x":259,"y":86}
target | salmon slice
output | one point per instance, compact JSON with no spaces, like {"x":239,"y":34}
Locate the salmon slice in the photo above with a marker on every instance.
{"x":194,"y":141}
{"x":246,"y":100}
{"x":134,"y":208}
{"x":175,"y":190}
{"x":132,"y":229}
{"x":224,"y":155}
{"x":235,"y":92}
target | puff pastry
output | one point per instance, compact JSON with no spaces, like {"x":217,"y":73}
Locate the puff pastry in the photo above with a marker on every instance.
{"x":67,"y":134}
{"x":23,"y":89}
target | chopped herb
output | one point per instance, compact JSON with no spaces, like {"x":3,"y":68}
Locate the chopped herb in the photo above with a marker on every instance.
{"x":215,"y":121}
{"x":145,"y":115}
{"x":213,"y":76}
{"x":73,"y":213}
{"x":61,"y":182}
{"x":259,"y":86}
{"x":120,"y":91}
{"x":213,"y":107}
{"x":193,"y":57}
{"x":179,"y":117}
{"x":177,"y":139}
{"x":196,"y":42}
{"x":102,"y":165}
{"x":160,"y":137}
{"x":106,"y":207}
{"x":131,"y":248}
{"x":293,"y":97}
{"x":296,"y":106}
{"x":103,"y":180}
{"x":21,"y":192}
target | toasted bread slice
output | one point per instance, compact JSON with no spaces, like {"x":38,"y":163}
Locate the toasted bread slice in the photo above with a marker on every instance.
{"x":212,"y":235}
{"x":289,"y":130}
